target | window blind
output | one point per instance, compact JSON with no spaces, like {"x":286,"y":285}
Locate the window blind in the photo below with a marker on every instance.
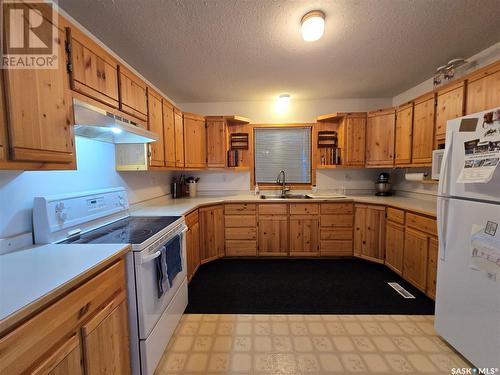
{"x":287,"y":149}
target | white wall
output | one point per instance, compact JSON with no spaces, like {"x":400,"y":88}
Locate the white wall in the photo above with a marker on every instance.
{"x":96,"y":170}
{"x":483,"y":58}
{"x":300,"y":111}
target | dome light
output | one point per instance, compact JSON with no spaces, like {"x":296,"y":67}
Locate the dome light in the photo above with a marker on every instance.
{"x":282,"y":103}
{"x":313,"y":25}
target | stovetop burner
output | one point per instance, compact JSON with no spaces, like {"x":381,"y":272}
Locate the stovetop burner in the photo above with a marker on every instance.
{"x":133,"y":229}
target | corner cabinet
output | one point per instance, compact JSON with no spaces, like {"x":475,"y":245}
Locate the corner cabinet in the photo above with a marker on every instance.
{"x":211,"y":232}
{"x":195,"y":141}
{"x":380,"y":133}
{"x":85,"y":329}
{"x":369,"y":232}
{"x":39,"y":114}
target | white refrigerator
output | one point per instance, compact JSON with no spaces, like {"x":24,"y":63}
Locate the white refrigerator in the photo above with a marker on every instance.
{"x":468,"y":281}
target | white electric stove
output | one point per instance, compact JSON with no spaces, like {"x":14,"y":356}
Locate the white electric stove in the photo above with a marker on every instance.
{"x":103,"y":216}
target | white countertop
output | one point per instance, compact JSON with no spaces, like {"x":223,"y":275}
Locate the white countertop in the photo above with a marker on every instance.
{"x":181,"y":206}
{"x":30,"y":274}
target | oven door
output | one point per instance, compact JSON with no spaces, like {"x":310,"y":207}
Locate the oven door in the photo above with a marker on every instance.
{"x":150,"y":307}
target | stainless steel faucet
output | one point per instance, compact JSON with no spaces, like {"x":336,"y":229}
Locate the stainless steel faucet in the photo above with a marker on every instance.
{"x":281,"y":179}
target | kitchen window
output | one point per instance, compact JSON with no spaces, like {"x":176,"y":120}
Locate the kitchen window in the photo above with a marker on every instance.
{"x":288,"y":149}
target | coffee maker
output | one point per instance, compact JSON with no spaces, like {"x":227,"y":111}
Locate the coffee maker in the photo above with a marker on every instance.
{"x":382,"y":185}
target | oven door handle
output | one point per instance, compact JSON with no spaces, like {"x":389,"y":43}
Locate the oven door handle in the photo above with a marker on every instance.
{"x":149,"y":258}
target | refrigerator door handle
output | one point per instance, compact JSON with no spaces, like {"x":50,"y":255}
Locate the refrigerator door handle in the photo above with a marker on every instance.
{"x":443,"y":177}
{"x":442,"y":209}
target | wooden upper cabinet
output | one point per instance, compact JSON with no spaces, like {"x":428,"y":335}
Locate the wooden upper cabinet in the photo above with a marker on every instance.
{"x":93,"y":72}
{"x":354,"y":143}
{"x":195,"y":141}
{"x":133,"y":96}
{"x":155,"y":124}
{"x":169,"y":133}
{"x":404,"y":127}
{"x":423,"y":130}
{"x":380,"y":138}
{"x":483,"y":89}
{"x":40,"y":114}
{"x":216,"y":142}
{"x":449,"y":105}
{"x":179,"y":138}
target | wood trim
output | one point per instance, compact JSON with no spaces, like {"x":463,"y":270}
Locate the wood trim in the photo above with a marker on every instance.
{"x":56,"y":357}
{"x":483,"y":72}
{"x":193,"y":116}
{"x":26,"y":154}
{"x":424,"y":98}
{"x":382,"y":112}
{"x":441,"y":91}
{"x":404,"y":106}
{"x":336,"y":116}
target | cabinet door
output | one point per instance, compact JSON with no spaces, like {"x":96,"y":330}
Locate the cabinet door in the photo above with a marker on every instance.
{"x":483,"y":90}
{"x":155,"y":124}
{"x":432,"y":267}
{"x":273,"y":235}
{"x":133,"y":94}
{"x":394,"y":246}
{"x":195,"y":141}
{"x":450,"y":105}
{"x":415,"y":258}
{"x":66,"y":359}
{"x":404,"y":127}
{"x":216,"y":143}
{"x":359,"y":225}
{"x":374,"y":233}
{"x":94,"y":73}
{"x":212,"y":232}
{"x":39,"y":112}
{"x":380,"y":138}
{"x":355,"y":135}
{"x":179,"y":138}
{"x":168,"y":134}
{"x":304,"y":235}
{"x":105,"y":341}
{"x":423,"y":131}
{"x":193,"y":249}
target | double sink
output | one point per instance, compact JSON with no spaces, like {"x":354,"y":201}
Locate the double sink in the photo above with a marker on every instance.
{"x":301,"y":196}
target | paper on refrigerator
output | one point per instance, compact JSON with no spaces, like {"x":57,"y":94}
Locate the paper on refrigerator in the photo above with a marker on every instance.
{"x":485,"y":249}
{"x":482,"y":156}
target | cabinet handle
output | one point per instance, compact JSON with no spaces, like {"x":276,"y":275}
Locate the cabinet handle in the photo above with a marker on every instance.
{"x":103,"y":75}
{"x":98,"y":74}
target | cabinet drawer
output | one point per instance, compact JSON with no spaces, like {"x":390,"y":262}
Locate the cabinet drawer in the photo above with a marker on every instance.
{"x":336,"y":208}
{"x":304,"y":208}
{"x":28,"y":343}
{"x":237,"y":221}
{"x":273,"y":209}
{"x":395,"y":215}
{"x":422,"y":223}
{"x":336,"y":247}
{"x":241,"y":233}
{"x":241,"y":248}
{"x":192,"y":218}
{"x":240,"y":209}
{"x":336,"y":220}
{"x":336,"y":234}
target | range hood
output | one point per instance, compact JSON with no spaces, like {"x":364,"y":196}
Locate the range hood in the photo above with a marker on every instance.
{"x":98,"y":124}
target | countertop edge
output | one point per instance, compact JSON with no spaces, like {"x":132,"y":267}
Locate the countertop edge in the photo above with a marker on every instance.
{"x":18,"y":317}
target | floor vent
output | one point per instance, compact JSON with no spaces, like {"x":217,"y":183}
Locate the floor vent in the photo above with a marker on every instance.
{"x":398,"y":288}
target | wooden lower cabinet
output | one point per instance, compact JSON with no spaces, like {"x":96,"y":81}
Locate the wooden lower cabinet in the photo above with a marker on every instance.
{"x":192,"y":244}
{"x":369,"y":232}
{"x":304,"y":235}
{"x":240,"y":229}
{"x":432,"y":262}
{"x":105,"y":341}
{"x":88,"y":326}
{"x":394,"y":246}
{"x":273,"y":235}
{"x":415,"y":258}
{"x":336,"y":223}
{"x":211,"y":232}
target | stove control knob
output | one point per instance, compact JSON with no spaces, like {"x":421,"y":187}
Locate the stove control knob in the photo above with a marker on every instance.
{"x":61,"y":215}
{"x":121,"y":201}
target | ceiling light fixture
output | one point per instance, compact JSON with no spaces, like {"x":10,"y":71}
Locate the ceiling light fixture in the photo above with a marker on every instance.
{"x":313,"y":25}
{"x":282,"y":103}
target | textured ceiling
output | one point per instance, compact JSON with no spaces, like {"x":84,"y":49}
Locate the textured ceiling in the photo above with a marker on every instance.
{"x":237,"y":50}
